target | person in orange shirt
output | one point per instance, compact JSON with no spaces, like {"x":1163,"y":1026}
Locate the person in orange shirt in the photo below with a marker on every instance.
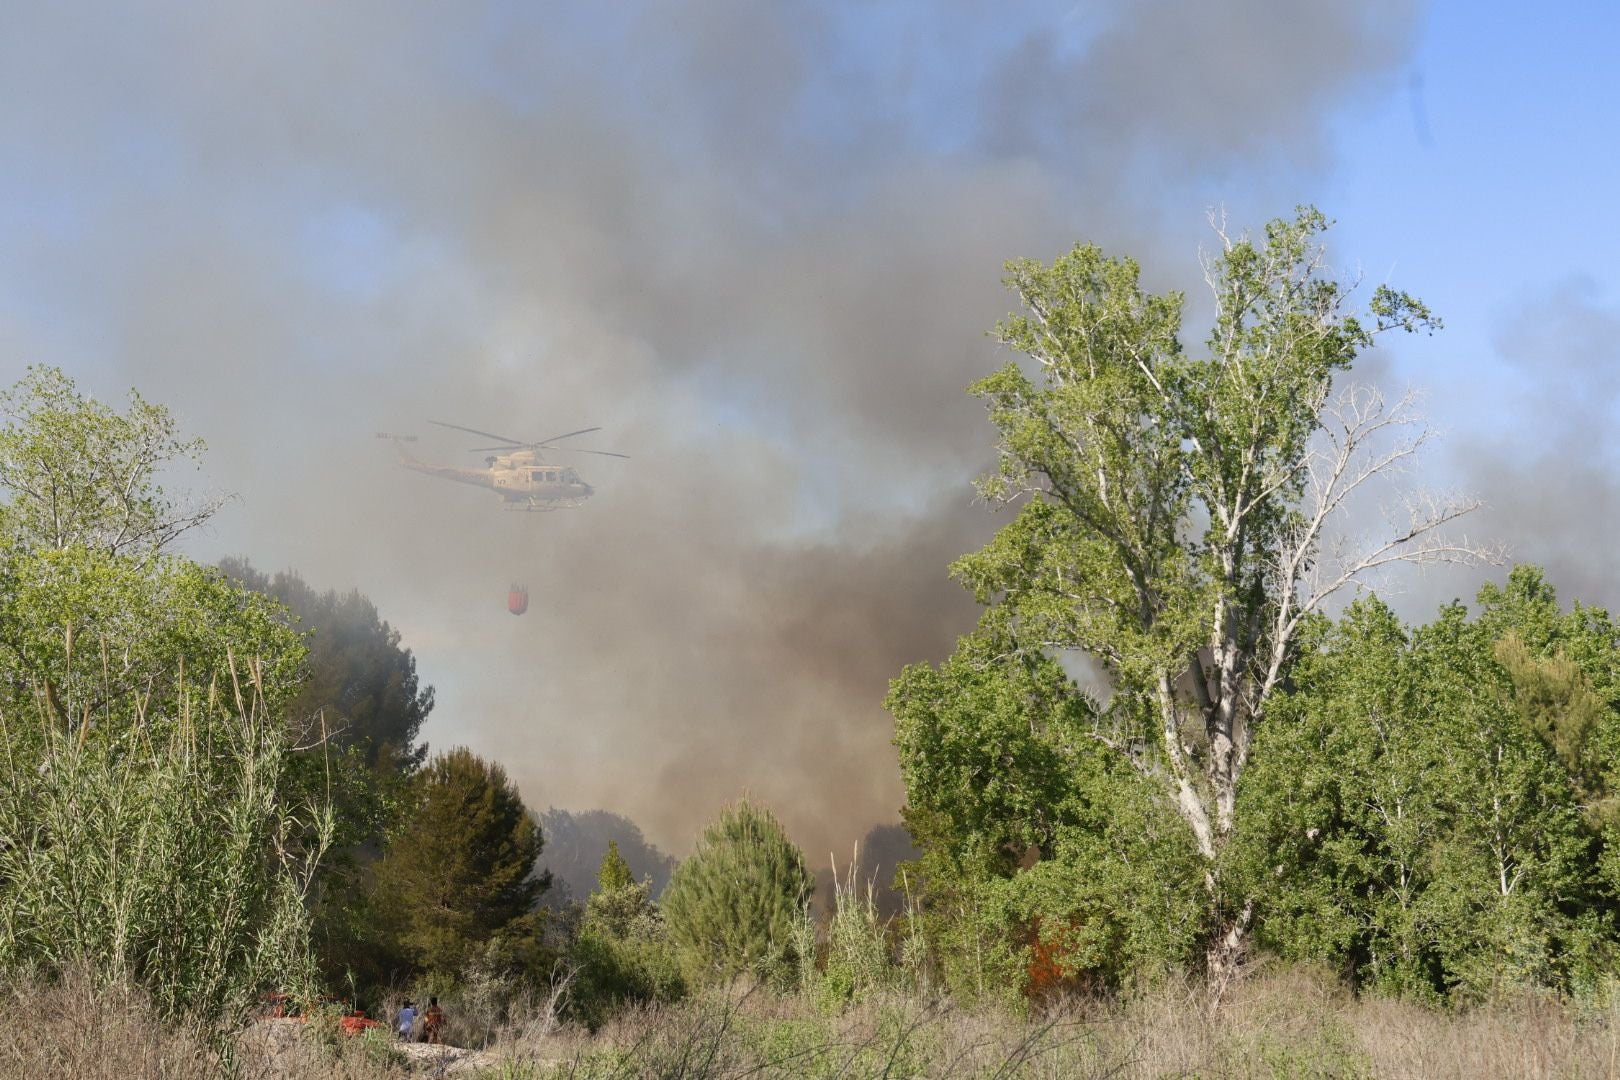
{"x":433,"y":1022}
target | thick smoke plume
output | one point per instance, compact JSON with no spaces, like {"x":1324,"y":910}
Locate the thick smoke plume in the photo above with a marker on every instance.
{"x":758,"y":243}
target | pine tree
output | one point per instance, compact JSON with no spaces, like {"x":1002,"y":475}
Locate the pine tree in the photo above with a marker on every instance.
{"x":460,"y":872}
{"x":731,"y":907}
{"x":615,"y":873}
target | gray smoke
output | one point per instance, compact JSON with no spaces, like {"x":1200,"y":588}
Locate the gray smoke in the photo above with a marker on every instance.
{"x":1550,"y":471}
{"x":759,"y":243}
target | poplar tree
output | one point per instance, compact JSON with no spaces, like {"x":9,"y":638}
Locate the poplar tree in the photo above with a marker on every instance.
{"x":1416,"y":816}
{"x":1175,"y":506}
{"x":80,"y":473}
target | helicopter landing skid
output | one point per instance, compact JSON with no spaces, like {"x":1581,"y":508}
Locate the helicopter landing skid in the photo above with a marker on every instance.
{"x":543,"y":507}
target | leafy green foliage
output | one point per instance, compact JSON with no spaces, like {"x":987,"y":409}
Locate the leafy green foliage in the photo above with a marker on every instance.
{"x":615,"y":875}
{"x":622,"y":954}
{"x":1027,"y":820}
{"x":859,"y":962}
{"x":81,"y":474}
{"x":156,"y":841}
{"x":90,"y":630}
{"x":732,"y":905}
{"x":458,"y":872}
{"x":1173,"y":507}
{"x":148,"y":828}
{"x":355,"y":716}
{"x":1415,"y":814}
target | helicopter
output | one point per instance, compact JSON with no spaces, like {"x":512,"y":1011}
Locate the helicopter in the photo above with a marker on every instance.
{"x":518,"y":471}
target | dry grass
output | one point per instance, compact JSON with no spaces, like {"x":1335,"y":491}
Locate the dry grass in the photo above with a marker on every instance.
{"x":80,"y":1027}
{"x":76,"y":1028}
{"x":1286,"y":1023}
{"x":1281,"y":1023}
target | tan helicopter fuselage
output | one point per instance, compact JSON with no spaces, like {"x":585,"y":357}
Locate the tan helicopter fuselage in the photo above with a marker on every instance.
{"x":522,"y":475}
{"x":523,"y":480}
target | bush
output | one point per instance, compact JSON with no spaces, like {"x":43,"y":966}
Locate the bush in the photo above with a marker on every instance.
{"x":732,"y":906}
{"x":622,"y":954}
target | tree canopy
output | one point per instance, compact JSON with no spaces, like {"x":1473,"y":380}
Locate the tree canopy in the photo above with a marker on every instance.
{"x":147,"y":825}
{"x":1428,"y":812}
{"x":360,"y":686}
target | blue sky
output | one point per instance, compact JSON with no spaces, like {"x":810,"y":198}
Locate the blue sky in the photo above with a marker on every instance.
{"x":760,"y":244}
{"x":1510,"y":194}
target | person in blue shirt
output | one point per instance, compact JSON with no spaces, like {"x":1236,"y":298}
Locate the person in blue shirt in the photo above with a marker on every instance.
{"x":406,"y":1021}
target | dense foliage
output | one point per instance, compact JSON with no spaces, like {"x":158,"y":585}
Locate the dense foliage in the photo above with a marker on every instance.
{"x":355,"y":718}
{"x":78,"y":473}
{"x":159,"y":844}
{"x":1429,"y":811}
{"x":622,"y":954}
{"x":360,"y":687}
{"x":1173,"y":504}
{"x":1033,"y":832}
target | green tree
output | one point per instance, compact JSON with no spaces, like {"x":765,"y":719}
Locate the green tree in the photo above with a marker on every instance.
{"x":1174,"y":505}
{"x":615,"y":873}
{"x":355,"y":716}
{"x":87,"y":628}
{"x":732,"y":905}
{"x":458,"y":872}
{"x":360,"y":687}
{"x":92,"y":611}
{"x":577,"y":839}
{"x":1035,"y":837}
{"x":1407,"y":822}
{"x":147,"y":828}
{"x":80,"y":473}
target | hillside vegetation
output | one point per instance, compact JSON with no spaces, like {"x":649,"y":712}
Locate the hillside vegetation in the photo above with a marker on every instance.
{"x":1284,"y":832}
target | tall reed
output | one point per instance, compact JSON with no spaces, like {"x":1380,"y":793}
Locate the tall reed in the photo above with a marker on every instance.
{"x":156,"y":842}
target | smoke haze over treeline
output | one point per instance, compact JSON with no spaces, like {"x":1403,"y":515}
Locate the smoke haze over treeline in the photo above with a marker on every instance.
{"x":759,"y":244}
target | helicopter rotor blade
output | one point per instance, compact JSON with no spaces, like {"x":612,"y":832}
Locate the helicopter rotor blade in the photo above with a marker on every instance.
{"x":486,"y":434}
{"x":559,"y":438}
{"x":582,"y":450}
{"x":503,"y":446}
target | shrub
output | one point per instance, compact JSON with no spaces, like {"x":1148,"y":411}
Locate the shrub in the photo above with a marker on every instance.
{"x":731,"y":907}
{"x":858,"y":962}
{"x":622,"y":954}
